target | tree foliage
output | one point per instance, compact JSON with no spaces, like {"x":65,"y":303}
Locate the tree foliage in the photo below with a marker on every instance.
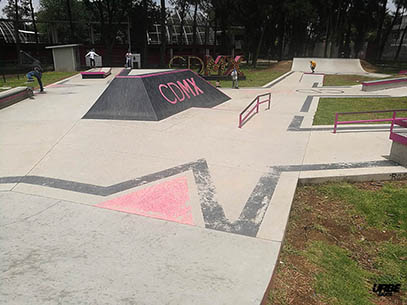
{"x":274,"y":28}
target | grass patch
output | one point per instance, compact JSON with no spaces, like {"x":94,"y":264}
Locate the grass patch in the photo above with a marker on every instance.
{"x":393,"y":259}
{"x":341,"y":281}
{"x":348,"y":80}
{"x":384,"y":210}
{"x":392,"y":68}
{"x":327,"y":108}
{"x":260,"y":76}
{"x":341,"y":239}
{"x":387,"y":67}
{"x":47,"y":78}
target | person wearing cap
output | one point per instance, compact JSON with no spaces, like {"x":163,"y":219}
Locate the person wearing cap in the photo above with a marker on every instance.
{"x":313,"y":65}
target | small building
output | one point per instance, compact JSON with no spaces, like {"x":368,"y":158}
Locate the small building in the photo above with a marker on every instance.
{"x":66,"y":57}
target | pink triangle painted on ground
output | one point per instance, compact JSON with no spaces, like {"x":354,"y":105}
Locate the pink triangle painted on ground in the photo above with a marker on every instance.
{"x":167,"y":200}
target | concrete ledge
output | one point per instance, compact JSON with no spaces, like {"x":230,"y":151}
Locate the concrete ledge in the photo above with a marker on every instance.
{"x":278,"y":79}
{"x":397,"y":174}
{"x":384,"y":84}
{"x":398,"y":153}
{"x":96,"y":73}
{"x":14,"y":95}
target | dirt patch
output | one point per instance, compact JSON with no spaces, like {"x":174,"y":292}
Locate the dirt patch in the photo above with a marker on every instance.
{"x":316,"y":217}
{"x":368,"y":67}
{"x":284,"y":65}
{"x":378,"y":185}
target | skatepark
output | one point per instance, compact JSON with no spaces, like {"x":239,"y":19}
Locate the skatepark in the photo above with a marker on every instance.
{"x":102,"y":205}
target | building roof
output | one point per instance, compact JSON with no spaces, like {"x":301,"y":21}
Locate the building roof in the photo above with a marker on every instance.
{"x":63,"y":46}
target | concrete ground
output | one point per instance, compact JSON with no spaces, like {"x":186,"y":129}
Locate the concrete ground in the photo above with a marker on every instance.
{"x":187,"y":210}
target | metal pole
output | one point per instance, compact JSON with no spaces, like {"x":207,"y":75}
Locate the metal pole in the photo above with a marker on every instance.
{"x":128,"y":33}
{"x":257,"y":105}
{"x":336,"y":122}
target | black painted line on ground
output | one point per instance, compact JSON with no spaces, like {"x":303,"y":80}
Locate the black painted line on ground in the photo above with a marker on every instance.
{"x":295,"y":123}
{"x":282,"y":78}
{"x":213,"y":213}
{"x":307,"y":104}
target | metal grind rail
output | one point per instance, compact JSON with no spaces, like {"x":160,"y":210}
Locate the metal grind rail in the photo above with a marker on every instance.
{"x":257,"y":102}
{"x":400,"y":122}
{"x":366,"y":121}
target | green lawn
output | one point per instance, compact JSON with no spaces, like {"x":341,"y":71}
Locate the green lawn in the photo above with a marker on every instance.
{"x":327,"y":108}
{"x":258,"y":77}
{"x":47,"y":78}
{"x":385,"y":67}
{"x":348,"y":80}
{"x":342,"y":238}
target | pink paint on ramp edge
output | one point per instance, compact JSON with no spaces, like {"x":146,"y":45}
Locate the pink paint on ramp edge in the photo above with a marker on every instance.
{"x":93,"y":73}
{"x":167,"y":201}
{"x":151,"y":74}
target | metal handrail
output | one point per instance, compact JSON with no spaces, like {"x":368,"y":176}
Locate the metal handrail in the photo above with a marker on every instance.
{"x":402,"y":122}
{"x":365,"y":121}
{"x":258,"y":103}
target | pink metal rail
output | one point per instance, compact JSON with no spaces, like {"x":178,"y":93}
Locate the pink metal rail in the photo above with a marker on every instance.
{"x":257,"y":102}
{"x":366,"y":121}
{"x":402,"y":122}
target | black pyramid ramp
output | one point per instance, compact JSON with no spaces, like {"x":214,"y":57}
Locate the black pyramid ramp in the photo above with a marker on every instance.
{"x":154,"y":96}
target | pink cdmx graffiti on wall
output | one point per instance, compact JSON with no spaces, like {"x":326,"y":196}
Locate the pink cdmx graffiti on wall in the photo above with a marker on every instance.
{"x":223,"y":65}
{"x":177,"y":92}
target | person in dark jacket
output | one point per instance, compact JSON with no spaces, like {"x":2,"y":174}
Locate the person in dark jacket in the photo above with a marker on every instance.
{"x":37,"y":73}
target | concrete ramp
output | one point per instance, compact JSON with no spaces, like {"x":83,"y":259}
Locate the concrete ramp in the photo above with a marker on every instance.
{"x":154,"y":95}
{"x":329,"y":65}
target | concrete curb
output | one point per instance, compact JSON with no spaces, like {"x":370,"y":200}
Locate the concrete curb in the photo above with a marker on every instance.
{"x":62,"y":81}
{"x":277,"y":80}
{"x":394,"y":176}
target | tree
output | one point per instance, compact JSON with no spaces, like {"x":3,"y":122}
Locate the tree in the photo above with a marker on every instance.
{"x":16,"y":9}
{"x":34,"y":22}
{"x":54,"y":18}
{"x":142,"y":15}
{"x":110,"y":14}
{"x":196,"y":4}
{"x":163,"y":47}
{"x":182,"y":6}
{"x":69,"y":11}
{"x":388,"y":29}
{"x":403,"y":4}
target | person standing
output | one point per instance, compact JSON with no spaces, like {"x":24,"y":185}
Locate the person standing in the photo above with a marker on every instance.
{"x":313,"y":65}
{"x":234,"y":79}
{"x":128,"y":59}
{"x":91,"y":54}
{"x":37,"y":73}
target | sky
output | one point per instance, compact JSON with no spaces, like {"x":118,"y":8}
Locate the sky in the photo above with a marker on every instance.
{"x":37,"y":4}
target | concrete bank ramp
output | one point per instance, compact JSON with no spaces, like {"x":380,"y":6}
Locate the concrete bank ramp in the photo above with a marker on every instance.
{"x":329,"y":65}
{"x":154,"y":95}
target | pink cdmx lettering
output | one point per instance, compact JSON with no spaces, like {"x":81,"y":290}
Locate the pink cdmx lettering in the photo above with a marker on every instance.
{"x":177,"y":92}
